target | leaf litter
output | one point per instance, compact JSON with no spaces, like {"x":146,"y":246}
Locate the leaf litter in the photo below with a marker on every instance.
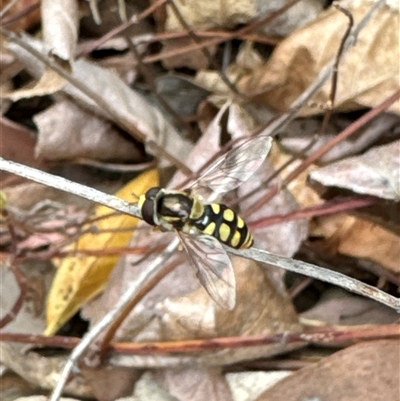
{"x":108,"y":111}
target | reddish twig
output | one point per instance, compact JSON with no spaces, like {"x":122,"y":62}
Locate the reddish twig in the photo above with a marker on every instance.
{"x":319,"y":336}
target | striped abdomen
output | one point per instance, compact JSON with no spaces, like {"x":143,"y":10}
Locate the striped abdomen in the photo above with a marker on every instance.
{"x":225,"y":225}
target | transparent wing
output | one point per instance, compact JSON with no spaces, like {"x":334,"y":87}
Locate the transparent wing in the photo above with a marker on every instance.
{"x":230,"y":170}
{"x":213,"y":268}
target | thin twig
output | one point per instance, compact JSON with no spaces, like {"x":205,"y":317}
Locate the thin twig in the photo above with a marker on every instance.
{"x":335,"y":71}
{"x":321,"y":336}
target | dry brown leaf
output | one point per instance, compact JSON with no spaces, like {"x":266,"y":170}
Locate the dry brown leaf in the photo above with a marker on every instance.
{"x":376,"y":172}
{"x":360,"y":238}
{"x":12,"y":387}
{"x":109,"y":383}
{"x":17,"y":143}
{"x":368,"y":371}
{"x":60,"y":22}
{"x":79,"y":279}
{"x":195,"y":59}
{"x":368,"y":74}
{"x":66,"y":131}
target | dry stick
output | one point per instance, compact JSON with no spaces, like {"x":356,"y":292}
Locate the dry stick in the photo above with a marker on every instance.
{"x":103,"y":105}
{"x":19,"y":303}
{"x":320,"y":273}
{"x":322,"y":336}
{"x":228,"y":35}
{"x":332,"y":95}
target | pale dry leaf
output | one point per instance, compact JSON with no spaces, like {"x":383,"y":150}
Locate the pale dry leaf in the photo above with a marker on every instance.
{"x":149,"y":388}
{"x":302,"y":132}
{"x":368,"y":74}
{"x":41,"y":371}
{"x":338,"y":307}
{"x":246,"y":386}
{"x":50,"y":82}
{"x":301,"y":13}
{"x":195,"y":384}
{"x":30,"y":318}
{"x":67,"y":131}
{"x":376,"y":172}
{"x":128,"y":107}
{"x":367,"y":371}
{"x":211,"y":14}
{"x":60,"y":22}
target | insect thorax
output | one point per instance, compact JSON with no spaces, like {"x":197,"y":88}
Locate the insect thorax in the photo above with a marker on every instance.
{"x":177,"y":208}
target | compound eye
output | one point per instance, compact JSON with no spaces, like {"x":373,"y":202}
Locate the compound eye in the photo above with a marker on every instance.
{"x":148,"y":211}
{"x":152,"y":192}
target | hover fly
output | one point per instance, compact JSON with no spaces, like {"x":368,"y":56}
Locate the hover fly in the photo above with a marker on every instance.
{"x":204,"y":227}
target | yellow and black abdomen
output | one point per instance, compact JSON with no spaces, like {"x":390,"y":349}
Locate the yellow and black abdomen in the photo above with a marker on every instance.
{"x":225,"y":225}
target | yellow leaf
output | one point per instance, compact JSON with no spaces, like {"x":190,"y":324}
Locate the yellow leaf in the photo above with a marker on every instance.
{"x":80,"y":278}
